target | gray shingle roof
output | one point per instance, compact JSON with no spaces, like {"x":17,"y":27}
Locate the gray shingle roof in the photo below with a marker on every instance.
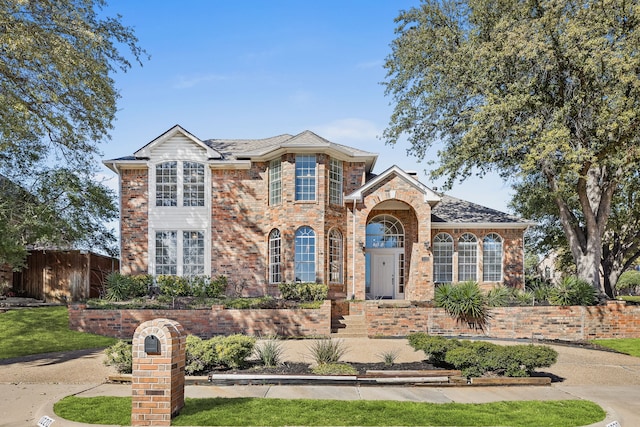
{"x":452,"y":210}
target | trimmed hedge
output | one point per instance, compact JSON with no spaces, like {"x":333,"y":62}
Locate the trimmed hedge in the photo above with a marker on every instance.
{"x":478,"y":358}
{"x":303,"y":291}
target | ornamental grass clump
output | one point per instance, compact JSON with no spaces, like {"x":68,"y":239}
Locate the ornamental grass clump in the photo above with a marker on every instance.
{"x":269,"y":352}
{"x":573,"y":291}
{"x":327,"y":351}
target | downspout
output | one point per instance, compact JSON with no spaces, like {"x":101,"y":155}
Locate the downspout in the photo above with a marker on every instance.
{"x":353,"y":255}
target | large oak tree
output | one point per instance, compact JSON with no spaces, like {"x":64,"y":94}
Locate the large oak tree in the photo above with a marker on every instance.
{"x":547,"y":87}
{"x":57,"y":103}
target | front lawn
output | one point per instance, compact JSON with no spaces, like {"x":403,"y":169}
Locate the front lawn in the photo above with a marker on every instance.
{"x":629,"y":346}
{"x":43,"y":330}
{"x":277,"y":412}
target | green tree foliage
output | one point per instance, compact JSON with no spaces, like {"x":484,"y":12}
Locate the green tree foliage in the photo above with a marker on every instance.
{"x":545,"y":88}
{"x":57,"y":102}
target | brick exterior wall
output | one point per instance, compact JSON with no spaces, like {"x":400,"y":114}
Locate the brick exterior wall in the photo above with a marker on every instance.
{"x":134,"y":221}
{"x":575,"y":323}
{"x":241,"y":220}
{"x":206,"y":323}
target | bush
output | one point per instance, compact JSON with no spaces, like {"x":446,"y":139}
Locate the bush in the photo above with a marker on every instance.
{"x":119,"y":287}
{"x":434,"y":347}
{"x":233,"y":350}
{"x":464,"y":301}
{"x":573,"y":291}
{"x":303,"y":291}
{"x":200,"y":357}
{"x":334,"y":369}
{"x":173,"y":286}
{"x":269,"y":352}
{"x":499,"y":296}
{"x":327,"y":351}
{"x":628,"y":283}
{"x":120,"y":356}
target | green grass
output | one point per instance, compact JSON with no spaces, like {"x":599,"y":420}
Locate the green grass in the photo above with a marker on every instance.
{"x":43,"y":330}
{"x":630,"y":298}
{"x":623,"y":345}
{"x":277,"y":412}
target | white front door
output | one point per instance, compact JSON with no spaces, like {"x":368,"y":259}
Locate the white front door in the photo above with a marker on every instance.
{"x":383,"y":269}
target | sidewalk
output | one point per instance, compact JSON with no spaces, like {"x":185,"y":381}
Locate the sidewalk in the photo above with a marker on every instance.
{"x":31,"y":386}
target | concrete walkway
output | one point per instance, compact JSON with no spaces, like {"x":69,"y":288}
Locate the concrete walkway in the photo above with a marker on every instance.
{"x":28,"y":388}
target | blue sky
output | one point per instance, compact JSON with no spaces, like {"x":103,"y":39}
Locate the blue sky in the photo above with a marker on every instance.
{"x":254,"y":69}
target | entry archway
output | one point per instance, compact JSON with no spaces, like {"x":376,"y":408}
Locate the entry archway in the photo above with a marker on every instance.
{"x":385,"y":258}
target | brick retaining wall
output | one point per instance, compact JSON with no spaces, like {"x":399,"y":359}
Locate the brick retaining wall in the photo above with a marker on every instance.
{"x":575,"y":323}
{"x":613,"y":320}
{"x":206,"y":323}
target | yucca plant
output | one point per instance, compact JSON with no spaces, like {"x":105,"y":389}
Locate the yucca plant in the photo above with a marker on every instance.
{"x":573,"y":291}
{"x":465,"y":301}
{"x":269,"y":352}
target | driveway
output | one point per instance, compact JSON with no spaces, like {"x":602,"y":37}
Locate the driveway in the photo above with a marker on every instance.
{"x":29,"y":386}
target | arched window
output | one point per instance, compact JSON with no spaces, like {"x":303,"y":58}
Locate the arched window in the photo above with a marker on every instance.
{"x":467,"y":257}
{"x":335,"y":256}
{"x":443,"y":258}
{"x":305,"y":257}
{"x":275,"y":256}
{"x":385,"y":231}
{"x":492,"y":258}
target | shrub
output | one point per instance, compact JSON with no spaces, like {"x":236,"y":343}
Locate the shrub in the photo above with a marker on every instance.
{"x":327,"y":351}
{"x":233,"y":350}
{"x":119,"y":287}
{"x":466,"y":359}
{"x":499,"y":296}
{"x":200,"y":357}
{"x":540,"y":289}
{"x":434,"y":347}
{"x":120,"y":356}
{"x":464,"y":301}
{"x":628,"y":283}
{"x":573,"y":291}
{"x":388,"y":357}
{"x":173,"y":286}
{"x":524,"y":297}
{"x":334,"y":369}
{"x":303,"y":291}
{"x":269,"y":352}
{"x":528,"y":357}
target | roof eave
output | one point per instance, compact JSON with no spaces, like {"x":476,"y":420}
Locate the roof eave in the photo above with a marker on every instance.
{"x":468,"y":225}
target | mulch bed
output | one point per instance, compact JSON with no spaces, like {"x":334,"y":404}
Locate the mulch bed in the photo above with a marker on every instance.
{"x":290,"y":368}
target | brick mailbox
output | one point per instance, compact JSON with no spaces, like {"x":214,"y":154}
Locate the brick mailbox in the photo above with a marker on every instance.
{"x":158,"y":372}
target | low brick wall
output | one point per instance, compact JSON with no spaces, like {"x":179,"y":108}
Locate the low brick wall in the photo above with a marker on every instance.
{"x":206,"y":323}
{"x":575,"y":323}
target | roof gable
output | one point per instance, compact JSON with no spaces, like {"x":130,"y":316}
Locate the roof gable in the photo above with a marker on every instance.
{"x":430,"y":196}
{"x":145,"y":152}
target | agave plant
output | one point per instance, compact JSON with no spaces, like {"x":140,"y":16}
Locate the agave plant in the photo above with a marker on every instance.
{"x":465,"y":301}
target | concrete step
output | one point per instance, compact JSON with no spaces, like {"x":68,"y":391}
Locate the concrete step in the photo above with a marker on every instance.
{"x":349,"y":326}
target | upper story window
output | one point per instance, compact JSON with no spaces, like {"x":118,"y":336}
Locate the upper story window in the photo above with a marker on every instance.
{"x":193,"y":176}
{"x":180,"y":184}
{"x":335,"y":182}
{"x":443,"y":258}
{"x":305,"y":177}
{"x":467,"y":257}
{"x":275,"y":182}
{"x":167,"y":184}
{"x":492,"y":258}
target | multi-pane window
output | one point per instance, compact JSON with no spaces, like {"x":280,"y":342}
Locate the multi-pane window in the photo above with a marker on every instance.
{"x":492,"y":258}
{"x":275,"y":182}
{"x":385,"y":231}
{"x":335,"y":256}
{"x":192,"y":253}
{"x":443,"y":258}
{"x":335,"y":182}
{"x":467,"y":257}
{"x":305,"y":177}
{"x":167,"y":252}
{"x":193,"y":187}
{"x":167,"y":184}
{"x":305,"y":255}
{"x":275,"y":256}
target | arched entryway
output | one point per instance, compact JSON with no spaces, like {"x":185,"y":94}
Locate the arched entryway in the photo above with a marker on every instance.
{"x":385,"y":258}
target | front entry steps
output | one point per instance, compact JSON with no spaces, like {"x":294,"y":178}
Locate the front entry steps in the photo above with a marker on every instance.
{"x":349,"y":326}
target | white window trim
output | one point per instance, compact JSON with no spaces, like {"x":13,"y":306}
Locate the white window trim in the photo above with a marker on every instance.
{"x":295,"y":178}
{"x":179,"y":249}
{"x":179,"y":183}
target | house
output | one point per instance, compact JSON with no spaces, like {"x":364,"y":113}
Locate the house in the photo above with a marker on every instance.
{"x":302,"y":208}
